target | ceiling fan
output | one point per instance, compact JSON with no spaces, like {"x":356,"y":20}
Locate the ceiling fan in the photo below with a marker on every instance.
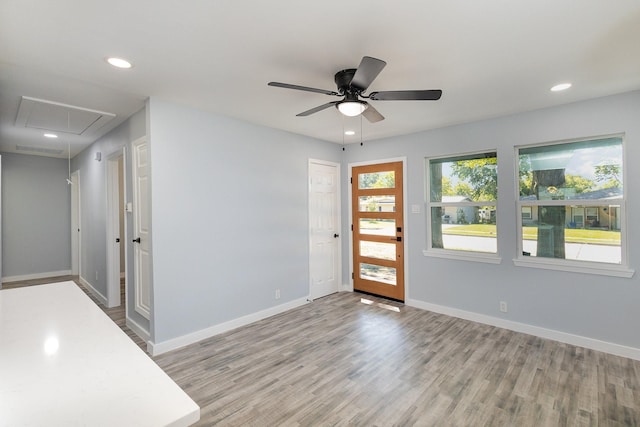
{"x":353,"y":82}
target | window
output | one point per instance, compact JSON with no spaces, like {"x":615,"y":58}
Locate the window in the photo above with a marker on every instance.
{"x":572,"y":202}
{"x":461,"y":204}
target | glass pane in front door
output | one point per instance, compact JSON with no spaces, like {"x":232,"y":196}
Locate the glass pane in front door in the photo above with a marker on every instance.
{"x":383,"y":179}
{"x":378,"y":273}
{"x":378,"y":227}
{"x":378,"y":250}
{"x":384,"y":203}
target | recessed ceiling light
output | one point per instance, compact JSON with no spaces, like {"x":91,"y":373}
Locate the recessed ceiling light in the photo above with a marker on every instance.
{"x":560,"y":87}
{"x":50,"y":135}
{"x":119,"y":62}
{"x":349,"y":132}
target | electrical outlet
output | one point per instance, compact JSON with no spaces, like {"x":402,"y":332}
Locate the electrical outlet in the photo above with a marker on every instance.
{"x":503,"y":306}
{"x":277,"y":293}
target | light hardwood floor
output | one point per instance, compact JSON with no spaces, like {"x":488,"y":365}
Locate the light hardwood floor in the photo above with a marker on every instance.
{"x":338,"y":361}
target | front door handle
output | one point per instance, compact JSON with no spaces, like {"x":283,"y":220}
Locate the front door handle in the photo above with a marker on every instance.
{"x":136,"y":240}
{"x":336,"y":236}
{"x":117,"y":240}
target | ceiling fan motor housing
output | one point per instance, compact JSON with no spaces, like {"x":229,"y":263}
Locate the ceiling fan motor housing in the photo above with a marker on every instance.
{"x":343,"y":81}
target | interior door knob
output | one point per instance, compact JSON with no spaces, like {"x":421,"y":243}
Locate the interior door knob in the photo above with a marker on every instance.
{"x":136,"y":240}
{"x":336,"y":235}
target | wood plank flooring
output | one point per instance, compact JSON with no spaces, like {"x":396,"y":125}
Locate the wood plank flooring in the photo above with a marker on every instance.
{"x":338,"y":362}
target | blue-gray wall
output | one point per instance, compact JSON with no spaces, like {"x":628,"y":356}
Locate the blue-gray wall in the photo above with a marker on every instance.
{"x":93,"y":200}
{"x":230,"y":217}
{"x":594,"y":306}
{"x":36,"y":209}
{"x":230,"y":211}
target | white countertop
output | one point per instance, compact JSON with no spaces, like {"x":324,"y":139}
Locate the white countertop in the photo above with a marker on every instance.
{"x":63,"y":362}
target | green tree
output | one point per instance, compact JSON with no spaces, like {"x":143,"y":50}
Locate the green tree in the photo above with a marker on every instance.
{"x":377,"y":180}
{"x":580,"y":184}
{"x":526,"y":177}
{"x":447,"y":189}
{"x":385,"y":180}
{"x":463,"y":189}
{"x":481,"y":175}
{"x":609,"y":175}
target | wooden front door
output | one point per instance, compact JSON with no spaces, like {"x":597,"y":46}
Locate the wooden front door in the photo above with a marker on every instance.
{"x":378,"y":229}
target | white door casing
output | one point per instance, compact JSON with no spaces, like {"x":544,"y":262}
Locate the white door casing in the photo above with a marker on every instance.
{"x":324,"y":228}
{"x":141,"y":231}
{"x":0,"y":222}
{"x":75,"y":225}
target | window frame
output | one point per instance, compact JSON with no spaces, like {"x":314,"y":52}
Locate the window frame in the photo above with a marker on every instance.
{"x":591,"y":267}
{"x":459,"y":254}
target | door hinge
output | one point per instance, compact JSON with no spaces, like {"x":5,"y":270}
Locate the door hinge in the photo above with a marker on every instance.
{"x":351,"y":227}
{"x":351,"y":180}
{"x":351,"y":276}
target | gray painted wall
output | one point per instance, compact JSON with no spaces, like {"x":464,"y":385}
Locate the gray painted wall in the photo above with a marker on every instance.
{"x":230,"y":215}
{"x":93,"y":199}
{"x":598,"y":307}
{"x":36,"y":212}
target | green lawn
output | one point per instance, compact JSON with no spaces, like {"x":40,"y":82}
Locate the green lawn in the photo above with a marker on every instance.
{"x":572,"y":235}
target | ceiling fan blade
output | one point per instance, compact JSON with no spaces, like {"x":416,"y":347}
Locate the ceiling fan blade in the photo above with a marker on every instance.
{"x":367,"y":71}
{"x":305,"y":88}
{"x":372,"y":114}
{"x":315,"y":110}
{"x":406,"y":95}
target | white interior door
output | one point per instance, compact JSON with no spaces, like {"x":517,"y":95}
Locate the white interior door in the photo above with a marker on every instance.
{"x":324,"y":228}
{"x":141,"y":228}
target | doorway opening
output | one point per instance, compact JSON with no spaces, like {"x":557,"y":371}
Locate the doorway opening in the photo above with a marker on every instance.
{"x":116,"y":256}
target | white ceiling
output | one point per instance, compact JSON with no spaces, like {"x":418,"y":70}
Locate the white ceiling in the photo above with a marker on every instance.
{"x":490,"y":58}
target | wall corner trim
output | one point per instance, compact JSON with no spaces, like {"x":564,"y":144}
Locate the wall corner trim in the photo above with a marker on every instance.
{"x":155,"y":349}
{"x":551,"y":334}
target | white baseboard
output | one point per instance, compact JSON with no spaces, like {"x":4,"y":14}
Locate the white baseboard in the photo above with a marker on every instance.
{"x":36,"y":276}
{"x":137,"y":329}
{"x":164,"y":346}
{"x":101,"y":298}
{"x":564,"y":337}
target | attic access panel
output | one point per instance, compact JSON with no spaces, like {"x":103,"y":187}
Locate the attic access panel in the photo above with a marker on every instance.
{"x":54,"y":116}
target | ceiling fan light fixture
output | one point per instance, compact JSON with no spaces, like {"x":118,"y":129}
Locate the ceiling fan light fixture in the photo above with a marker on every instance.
{"x":352,"y":108}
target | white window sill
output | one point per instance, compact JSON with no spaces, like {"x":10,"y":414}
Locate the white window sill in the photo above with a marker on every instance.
{"x":576,"y":267}
{"x":463,"y":255}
